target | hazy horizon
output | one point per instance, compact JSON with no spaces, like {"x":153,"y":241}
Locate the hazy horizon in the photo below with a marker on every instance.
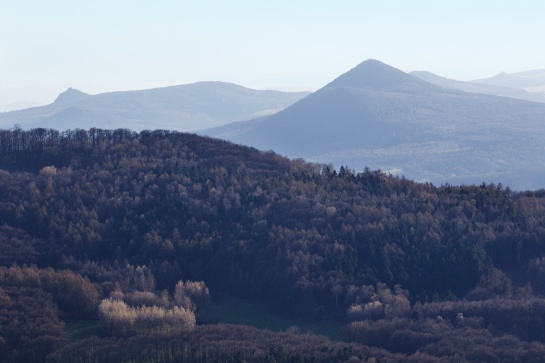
{"x":47,"y":93}
{"x":104,"y":46}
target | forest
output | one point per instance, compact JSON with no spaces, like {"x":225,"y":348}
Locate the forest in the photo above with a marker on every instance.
{"x":141,"y":233}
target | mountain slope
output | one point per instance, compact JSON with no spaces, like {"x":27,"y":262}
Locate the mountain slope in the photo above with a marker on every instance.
{"x":20,"y":105}
{"x":378,"y":116}
{"x":478,"y":87}
{"x":350,"y":110}
{"x":186,"y":107}
{"x":531,"y":81}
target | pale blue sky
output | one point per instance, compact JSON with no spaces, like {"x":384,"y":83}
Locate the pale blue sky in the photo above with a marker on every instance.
{"x":97,"y":46}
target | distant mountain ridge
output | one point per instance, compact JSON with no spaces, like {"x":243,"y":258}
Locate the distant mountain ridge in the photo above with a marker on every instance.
{"x":472,"y":87}
{"x":19,"y":105}
{"x":184,"y":108}
{"x":380,"y":117}
{"x":532,"y":81}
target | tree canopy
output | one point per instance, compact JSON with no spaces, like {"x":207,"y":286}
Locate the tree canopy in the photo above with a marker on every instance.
{"x":125,"y":212}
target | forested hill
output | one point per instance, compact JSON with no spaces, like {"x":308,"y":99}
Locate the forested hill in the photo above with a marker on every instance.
{"x":143,"y":211}
{"x":217,"y":210}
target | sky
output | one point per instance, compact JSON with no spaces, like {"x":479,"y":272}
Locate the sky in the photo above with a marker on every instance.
{"x":101,"y":46}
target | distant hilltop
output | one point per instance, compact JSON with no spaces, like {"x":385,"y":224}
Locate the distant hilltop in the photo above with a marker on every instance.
{"x":184,"y":108}
{"x":70,"y":95}
{"x":378,"y":116}
{"x":531,"y":81}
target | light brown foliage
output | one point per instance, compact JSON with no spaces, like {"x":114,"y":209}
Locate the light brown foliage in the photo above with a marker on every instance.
{"x":121,"y":319}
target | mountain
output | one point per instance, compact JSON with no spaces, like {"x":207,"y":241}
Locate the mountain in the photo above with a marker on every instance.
{"x":531,"y":81}
{"x":71,"y":96}
{"x":342,"y":113}
{"x":478,"y":87}
{"x":187,"y":107}
{"x":19,"y":105}
{"x":380,"y":117}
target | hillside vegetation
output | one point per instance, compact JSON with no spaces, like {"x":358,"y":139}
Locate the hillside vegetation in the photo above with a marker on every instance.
{"x":142,"y":230}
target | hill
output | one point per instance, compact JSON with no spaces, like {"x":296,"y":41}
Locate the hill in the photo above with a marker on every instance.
{"x":185,"y":108}
{"x":473,"y":87}
{"x":18,"y":106}
{"x":531,"y":81}
{"x":380,"y":117}
{"x":135,"y":232}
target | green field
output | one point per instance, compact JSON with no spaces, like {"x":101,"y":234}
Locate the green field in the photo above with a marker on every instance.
{"x":239,"y":311}
{"x":233,"y":311}
{"x":82,"y":329}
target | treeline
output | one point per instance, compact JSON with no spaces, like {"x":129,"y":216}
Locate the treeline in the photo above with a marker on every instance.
{"x":38,"y":140}
{"x":216,"y":343}
{"x":73,"y":294}
{"x":34,"y":303}
{"x":122,"y":319}
{"x":173,"y":202}
{"x":30,"y":327}
{"x":408,"y":341}
{"x":130,"y":215}
{"x":441,"y":340}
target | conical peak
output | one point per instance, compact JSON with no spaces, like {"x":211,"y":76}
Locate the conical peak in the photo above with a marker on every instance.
{"x":373,"y":74}
{"x":70,"y":95}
